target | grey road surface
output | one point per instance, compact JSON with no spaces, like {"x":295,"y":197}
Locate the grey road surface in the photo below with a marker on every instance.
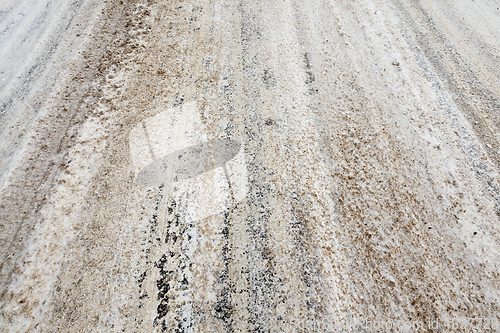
{"x":250,"y":166}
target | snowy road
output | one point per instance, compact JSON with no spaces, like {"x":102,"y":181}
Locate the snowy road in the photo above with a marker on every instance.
{"x":249,"y":166}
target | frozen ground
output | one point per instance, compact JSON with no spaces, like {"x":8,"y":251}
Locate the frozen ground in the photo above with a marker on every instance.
{"x":249,"y":166}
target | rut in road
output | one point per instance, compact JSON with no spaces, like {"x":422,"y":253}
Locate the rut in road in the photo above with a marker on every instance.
{"x":250,"y":166}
